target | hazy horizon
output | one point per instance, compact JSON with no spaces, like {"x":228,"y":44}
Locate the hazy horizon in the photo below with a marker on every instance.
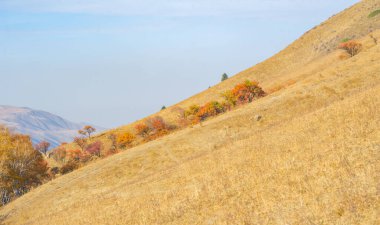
{"x":111,"y":63}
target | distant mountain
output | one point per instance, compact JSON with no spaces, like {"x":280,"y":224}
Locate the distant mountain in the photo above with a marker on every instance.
{"x":40,"y":125}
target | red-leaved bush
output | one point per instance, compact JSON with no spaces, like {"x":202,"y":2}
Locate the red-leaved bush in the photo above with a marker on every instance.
{"x":157,"y":124}
{"x":94,"y":148}
{"x":351,"y":47}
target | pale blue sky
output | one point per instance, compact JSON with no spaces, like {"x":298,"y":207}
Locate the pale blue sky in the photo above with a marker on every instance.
{"x":112,"y":62}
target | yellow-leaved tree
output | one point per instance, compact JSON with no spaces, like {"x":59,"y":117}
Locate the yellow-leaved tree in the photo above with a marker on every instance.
{"x":21,"y":166}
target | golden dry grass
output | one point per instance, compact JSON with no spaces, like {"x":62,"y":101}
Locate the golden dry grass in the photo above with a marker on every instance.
{"x":313,"y":158}
{"x":302,"y":58}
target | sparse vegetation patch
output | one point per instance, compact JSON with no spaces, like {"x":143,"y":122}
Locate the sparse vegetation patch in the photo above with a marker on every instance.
{"x":351,"y":47}
{"x":374,"y":13}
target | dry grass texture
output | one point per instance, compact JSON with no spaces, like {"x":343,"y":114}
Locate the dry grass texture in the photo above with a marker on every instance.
{"x":313,"y":158}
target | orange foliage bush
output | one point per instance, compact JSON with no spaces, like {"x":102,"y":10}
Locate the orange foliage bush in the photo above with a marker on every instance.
{"x":142,"y":129}
{"x":125,"y":139}
{"x":74,"y":154}
{"x":210,"y":109}
{"x":247,"y":92}
{"x":158,"y":127}
{"x":351,"y":47}
{"x":78,"y":156}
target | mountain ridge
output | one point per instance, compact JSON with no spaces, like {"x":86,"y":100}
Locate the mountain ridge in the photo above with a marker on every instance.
{"x":40,"y":125}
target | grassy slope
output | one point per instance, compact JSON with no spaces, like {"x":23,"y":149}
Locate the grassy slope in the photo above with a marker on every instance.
{"x":313,"y":158}
{"x":289,"y":65}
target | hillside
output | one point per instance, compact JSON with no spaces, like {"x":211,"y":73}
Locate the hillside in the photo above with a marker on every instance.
{"x":299,"y":60}
{"x":40,"y":125}
{"x":313,"y":158}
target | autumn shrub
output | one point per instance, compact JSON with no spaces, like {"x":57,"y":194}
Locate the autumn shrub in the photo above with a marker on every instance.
{"x":110,"y":152}
{"x":180,"y":116}
{"x":246,"y":92}
{"x":192,"y":110}
{"x":125,"y":139}
{"x":210,"y":109}
{"x":70,"y":166}
{"x":81,"y":142}
{"x":95,"y":148}
{"x":229,"y":98}
{"x":351,"y":47}
{"x":59,"y":154}
{"x":227,"y":106}
{"x":43,"y":147}
{"x":142,"y":130}
{"x":86,"y":157}
{"x":158,"y":127}
{"x":53,"y":171}
{"x":157,"y":124}
{"x":74,"y":154}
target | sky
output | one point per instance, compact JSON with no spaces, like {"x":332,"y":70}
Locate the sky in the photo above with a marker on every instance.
{"x":112,"y":62}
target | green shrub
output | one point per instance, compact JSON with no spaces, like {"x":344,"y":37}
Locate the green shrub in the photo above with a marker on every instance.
{"x":224,"y":77}
{"x":374,"y":13}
